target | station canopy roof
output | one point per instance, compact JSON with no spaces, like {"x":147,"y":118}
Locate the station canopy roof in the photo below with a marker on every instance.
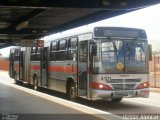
{"x":32,"y":19}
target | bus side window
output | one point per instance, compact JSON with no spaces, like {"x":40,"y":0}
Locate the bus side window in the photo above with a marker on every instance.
{"x":72,"y":49}
{"x":97,"y":57}
{"x":73,"y":44}
{"x":11,"y":57}
{"x":38,"y":54}
{"x":39,"y":50}
{"x":83,"y":53}
{"x":54,"y":46}
{"x":53,"y":54}
{"x":33,"y":49}
{"x":35,"y":54}
{"x":62,"y":53}
{"x":16,"y":55}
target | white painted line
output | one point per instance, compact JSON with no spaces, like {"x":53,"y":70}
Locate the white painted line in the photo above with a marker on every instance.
{"x":85,"y":109}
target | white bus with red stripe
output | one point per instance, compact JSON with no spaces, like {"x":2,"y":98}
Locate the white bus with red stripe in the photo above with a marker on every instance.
{"x":106,"y":63}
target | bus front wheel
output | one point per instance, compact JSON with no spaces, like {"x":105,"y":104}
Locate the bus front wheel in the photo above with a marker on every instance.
{"x":15,"y":78}
{"x":72,"y":92}
{"x":35,"y":83}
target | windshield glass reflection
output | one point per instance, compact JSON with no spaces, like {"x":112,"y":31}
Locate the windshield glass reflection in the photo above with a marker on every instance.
{"x":121,"y":56}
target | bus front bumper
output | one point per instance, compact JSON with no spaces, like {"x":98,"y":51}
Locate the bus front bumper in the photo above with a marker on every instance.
{"x":108,"y":94}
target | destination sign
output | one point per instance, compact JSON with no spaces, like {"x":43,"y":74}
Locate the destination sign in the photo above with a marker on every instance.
{"x":103,"y":32}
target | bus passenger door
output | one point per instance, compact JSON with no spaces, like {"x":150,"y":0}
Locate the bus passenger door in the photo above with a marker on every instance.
{"x":44,"y":66}
{"x":83,"y":62}
{"x":11,"y":65}
{"x":21,"y":66}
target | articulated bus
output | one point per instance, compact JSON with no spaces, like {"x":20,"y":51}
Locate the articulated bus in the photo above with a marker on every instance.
{"x":105,"y":63}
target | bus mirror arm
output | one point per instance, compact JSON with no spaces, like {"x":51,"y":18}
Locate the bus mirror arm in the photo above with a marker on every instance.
{"x":94,"y":49}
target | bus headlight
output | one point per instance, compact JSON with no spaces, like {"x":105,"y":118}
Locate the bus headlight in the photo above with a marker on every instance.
{"x":101,"y":86}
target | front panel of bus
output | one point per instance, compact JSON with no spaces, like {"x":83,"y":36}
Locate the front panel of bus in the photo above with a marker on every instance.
{"x":120,"y":68}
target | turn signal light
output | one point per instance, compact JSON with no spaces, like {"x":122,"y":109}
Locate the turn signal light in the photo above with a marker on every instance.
{"x":143,"y":85}
{"x":101,"y":86}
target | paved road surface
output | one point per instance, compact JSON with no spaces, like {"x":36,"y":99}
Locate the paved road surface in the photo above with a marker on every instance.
{"x":28,"y":104}
{"x":16,"y":100}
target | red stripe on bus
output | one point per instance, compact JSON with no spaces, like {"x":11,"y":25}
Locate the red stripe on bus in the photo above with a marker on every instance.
{"x":75,"y":69}
{"x":67,"y":69}
{"x":35,"y":67}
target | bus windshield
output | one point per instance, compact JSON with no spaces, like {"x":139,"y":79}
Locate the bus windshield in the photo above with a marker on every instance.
{"x":121,"y":56}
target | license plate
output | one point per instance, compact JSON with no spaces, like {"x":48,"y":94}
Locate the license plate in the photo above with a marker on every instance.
{"x":144,"y":92}
{"x":124,"y":93}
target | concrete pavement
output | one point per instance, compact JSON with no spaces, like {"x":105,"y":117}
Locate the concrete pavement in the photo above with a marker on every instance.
{"x":131,"y":106}
{"x":22,"y":102}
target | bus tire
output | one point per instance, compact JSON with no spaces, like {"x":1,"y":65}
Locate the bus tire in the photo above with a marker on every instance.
{"x":35,"y":84}
{"x":72,"y":91}
{"x":15,"y":78}
{"x":116,"y":100}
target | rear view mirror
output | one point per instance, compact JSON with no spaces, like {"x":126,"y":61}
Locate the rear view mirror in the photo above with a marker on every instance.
{"x":150,"y":52}
{"x":94,"y":49}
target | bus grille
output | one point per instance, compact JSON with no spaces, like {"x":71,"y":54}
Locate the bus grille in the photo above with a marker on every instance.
{"x":124,"y":80}
{"x":124,"y":84}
